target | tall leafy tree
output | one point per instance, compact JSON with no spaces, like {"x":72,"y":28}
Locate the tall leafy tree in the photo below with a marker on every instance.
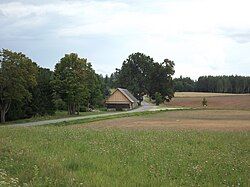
{"x":76,"y":83}
{"x":135,"y":74}
{"x":161,"y":79}
{"x":104,"y":85}
{"x":17,"y":75}
{"x":141,"y":75}
{"x":114,"y":79}
{"x":41,"y":101}
{"x":95,"y":87}
{"x":70,"y":81}
{"x":42,"y":94}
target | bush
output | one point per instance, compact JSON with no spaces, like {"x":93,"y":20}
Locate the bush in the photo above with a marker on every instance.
{"x":158,"y":98}
{"x":204,"y":102}
{"x":60,"y":104}
{"x":84,"y":109}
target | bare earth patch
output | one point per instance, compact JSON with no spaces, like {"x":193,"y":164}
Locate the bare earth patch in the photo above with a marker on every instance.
{"x":234,"y":102}
{"x":215,"y":120}
{"x":203,"y":94}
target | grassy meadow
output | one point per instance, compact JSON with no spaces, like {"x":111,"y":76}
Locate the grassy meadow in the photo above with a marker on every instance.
{"x":202,"y":147}
{"x":68,"y":156}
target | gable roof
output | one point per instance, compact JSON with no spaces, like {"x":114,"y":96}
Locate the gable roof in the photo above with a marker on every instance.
{"x":128,"y":95}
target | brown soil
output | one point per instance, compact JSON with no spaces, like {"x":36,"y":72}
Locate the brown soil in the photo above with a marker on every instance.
{"x":202,"y":94}
{"x":238,"y":102}
{"x":216,"y":120}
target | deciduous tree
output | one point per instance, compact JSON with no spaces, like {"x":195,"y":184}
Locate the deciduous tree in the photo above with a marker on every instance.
{"x":141,"y":75}
{"x":161,"y":79}
{"x":76,"y":83}
{"x":135,"y":74}
{"x":17,"y":74}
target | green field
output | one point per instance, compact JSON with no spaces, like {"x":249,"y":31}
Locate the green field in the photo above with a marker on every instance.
{"x":69,"y":156}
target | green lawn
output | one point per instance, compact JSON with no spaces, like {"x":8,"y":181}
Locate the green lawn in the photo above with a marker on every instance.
{"x":69,"y":156}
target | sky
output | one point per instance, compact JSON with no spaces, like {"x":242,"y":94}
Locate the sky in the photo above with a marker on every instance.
{"x":202,"y":37}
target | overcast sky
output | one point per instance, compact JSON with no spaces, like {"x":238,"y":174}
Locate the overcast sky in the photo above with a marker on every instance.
{"x":202,"y":37}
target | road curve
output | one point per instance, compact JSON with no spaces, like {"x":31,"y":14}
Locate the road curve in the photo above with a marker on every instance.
{"x":145,"y":107}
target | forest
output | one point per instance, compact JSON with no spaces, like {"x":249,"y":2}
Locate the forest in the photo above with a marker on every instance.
{"x":215,"y":84}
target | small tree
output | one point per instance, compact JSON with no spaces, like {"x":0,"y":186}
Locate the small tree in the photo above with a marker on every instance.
{"x":204,"y":102}
{"x":158,"y":98}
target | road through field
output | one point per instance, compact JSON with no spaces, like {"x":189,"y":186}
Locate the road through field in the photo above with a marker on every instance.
{"x":145,"y":107}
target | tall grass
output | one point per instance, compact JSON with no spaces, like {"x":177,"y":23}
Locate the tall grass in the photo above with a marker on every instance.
{"x":70,"y":156}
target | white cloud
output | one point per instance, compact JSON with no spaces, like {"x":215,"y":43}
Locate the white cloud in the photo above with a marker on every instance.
{"x":198,"y":35}
{"x":117,"y":17}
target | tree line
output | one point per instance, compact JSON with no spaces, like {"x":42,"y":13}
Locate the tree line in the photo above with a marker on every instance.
{"x":28,"y":90}
{"x":216,"y":84}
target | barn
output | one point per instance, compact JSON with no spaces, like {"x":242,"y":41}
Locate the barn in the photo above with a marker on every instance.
{"x":121,"y":99}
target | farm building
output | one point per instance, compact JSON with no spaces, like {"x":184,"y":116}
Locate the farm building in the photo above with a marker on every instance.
{"x":121,"y":99}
